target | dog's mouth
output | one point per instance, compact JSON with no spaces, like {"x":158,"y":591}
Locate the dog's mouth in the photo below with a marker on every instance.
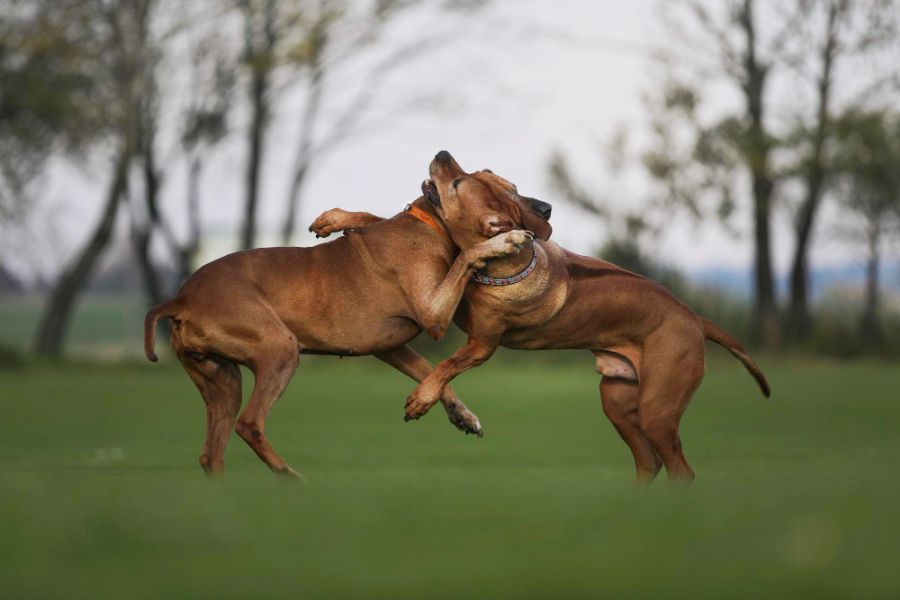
{"x":429,"y":190}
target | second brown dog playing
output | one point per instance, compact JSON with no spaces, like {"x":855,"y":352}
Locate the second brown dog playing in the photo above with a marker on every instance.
{"x":648,"y":345}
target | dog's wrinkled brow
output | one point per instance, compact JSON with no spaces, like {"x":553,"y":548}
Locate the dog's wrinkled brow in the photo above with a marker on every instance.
{"x":507,"y":185}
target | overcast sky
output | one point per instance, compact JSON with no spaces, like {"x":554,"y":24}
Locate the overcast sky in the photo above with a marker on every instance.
{"x":519,"y":80}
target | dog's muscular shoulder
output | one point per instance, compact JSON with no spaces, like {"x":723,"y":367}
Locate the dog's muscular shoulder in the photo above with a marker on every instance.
{"x":393,"y":249}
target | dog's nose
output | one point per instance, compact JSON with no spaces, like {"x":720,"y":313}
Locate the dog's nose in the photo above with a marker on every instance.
{"x":544,"y":209}
{"x":443,"y":156}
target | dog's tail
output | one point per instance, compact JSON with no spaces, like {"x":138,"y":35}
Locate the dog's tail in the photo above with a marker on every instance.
{"x":716,"y":334}
{"x":160,"y":311}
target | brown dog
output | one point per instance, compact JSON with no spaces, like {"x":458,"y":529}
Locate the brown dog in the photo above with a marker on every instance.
{"x":368,"y":292}
{"x":648,"y":346}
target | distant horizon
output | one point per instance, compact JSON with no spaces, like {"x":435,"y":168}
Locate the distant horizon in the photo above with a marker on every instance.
{"x":736,"y":281}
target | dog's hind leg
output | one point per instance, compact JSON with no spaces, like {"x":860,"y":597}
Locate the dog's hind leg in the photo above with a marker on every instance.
{"x":669,"y":377}
{"x":273,"y":365}
{"x":412,"y":364}
{"x":219,"y":382}
{"x":620,"y":403}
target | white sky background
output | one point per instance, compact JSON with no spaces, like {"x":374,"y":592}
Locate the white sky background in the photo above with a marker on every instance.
{"x":522,"y":78}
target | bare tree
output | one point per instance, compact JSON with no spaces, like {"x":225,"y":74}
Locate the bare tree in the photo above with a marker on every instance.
{"x":332,"y":39}
{"x":699,"y":160}
{"x":112,"y":28}
{"x":261,"y":34}
{"x":313,"y":58}
{"x":305,"y":42}
{"x":749,"y":68}
{"x":210,"y":88}
{"x":146,"y":56}
{"x":866,"y":167}
{"x":205,"y":125}
{"x":45,"y":92}
{"x":848,"y":29}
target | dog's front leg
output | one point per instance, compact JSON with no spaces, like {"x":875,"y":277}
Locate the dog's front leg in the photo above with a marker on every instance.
{"x":412,"y":364}
{"x":338,"y":219}
{"x":435,"y":311}
{"x":427,"y":393}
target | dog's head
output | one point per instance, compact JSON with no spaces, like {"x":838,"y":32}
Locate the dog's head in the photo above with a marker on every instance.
{"x":476,"y":206}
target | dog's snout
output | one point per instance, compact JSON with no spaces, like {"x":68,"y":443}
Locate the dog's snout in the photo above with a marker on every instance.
{"x":443,"y":156}
{"x":541,"y":208}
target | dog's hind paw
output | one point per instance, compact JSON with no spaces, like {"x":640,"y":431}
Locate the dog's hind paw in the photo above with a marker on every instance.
{"x":289,"y":474}
{"x":466,"y":421}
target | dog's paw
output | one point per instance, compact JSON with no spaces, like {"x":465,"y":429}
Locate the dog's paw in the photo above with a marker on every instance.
{"x":464,"y":419}
{"x":417,"y":405}
{"x":508,"y":243}
{"x":330,"y":222}
{"x":517,"y":238}
{"x":503,"y":244}
{"x":288,"y":474}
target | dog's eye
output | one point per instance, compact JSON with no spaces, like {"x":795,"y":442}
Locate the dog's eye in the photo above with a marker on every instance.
{"x":456,"y":182}
{"x":487,"y":171}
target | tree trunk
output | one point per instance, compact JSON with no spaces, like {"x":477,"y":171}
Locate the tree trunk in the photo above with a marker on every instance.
{"x":260,"y":56}
{"x":187,"y":252}
{"x":58,"y":311}
{"x":149,"y":276}
{"x":304,"y":155}
{"x":254,"y":160}
{"x":869,"y":327}
{"x":757,"y":158}
{"x":142,"y":236}
{"x":800,"y":318}
{"x":765,"y":309}
{"x":294,"y":195}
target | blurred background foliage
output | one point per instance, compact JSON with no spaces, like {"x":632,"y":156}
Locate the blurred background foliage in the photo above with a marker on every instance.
{"x":145,"y":86}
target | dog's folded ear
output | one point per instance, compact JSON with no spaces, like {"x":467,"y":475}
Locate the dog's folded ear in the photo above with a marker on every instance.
{"x":541,"y":228}
{"x":430,"y":192}
{"x":534,"y":223}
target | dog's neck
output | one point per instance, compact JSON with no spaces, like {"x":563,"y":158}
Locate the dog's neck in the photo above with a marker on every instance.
{"x":509,"y":266}
{"x":422,"y":210}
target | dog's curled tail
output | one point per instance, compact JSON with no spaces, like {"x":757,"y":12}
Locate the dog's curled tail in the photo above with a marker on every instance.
{"x":716,"y":334}
{"x":164,"y":310}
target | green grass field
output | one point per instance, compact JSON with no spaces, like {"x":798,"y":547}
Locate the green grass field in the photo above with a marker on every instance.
{"x":101,"y":495}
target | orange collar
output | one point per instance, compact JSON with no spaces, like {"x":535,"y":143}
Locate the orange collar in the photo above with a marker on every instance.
{"x":418,"y":213}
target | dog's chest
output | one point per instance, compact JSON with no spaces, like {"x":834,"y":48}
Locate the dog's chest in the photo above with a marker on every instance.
{"x":528,"y":303}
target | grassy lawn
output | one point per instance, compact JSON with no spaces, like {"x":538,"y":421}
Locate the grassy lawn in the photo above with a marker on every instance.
{"x":101,"y":495}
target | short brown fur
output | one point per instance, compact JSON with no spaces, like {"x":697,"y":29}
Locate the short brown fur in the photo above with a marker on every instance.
{"x":368,"y":292}
{"x":648,"y":345}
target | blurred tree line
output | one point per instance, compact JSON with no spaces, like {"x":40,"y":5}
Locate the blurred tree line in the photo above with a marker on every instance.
{"x":813,"y":118}
{"x":89,"y":78}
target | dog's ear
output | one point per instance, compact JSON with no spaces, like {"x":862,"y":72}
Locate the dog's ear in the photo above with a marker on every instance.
{"x":430,"y":193}
{"x":534,"y":223}
{"x":541,"y":228}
